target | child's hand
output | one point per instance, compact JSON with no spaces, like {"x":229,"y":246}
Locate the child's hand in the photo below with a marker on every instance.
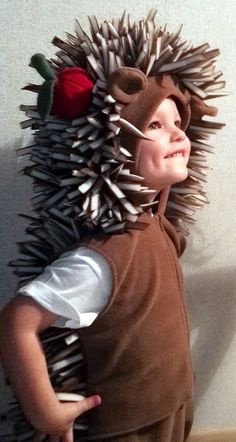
{"x":61,"y":428}
{"x":24,"y":362}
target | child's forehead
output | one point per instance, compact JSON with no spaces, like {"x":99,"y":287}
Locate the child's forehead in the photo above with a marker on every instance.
{"x":167,"y":107}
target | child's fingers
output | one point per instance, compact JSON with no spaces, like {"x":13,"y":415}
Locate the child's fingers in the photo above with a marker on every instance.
{"x":75,"y":409}
{"x":88,"y":403}
{"x":71,"y":410}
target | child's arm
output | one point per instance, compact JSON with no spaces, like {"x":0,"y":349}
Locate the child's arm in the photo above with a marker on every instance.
{"x":25,"y":365}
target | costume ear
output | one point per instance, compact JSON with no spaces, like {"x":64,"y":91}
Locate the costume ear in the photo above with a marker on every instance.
{"x":200,"y":108}
{"x":125,"y":84}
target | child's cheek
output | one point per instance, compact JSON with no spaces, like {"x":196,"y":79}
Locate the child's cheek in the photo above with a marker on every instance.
{"x":188,"y":148}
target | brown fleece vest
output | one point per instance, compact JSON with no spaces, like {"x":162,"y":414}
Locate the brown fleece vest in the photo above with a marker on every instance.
{"x":137,"y":350}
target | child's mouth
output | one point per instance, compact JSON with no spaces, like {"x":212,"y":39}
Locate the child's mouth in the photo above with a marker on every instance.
{"x":175,"y":155}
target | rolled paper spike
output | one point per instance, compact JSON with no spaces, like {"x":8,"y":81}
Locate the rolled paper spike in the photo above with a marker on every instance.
{"x":130,"y":128}
{"x":40,"y":63}
{"x":69,"y":397}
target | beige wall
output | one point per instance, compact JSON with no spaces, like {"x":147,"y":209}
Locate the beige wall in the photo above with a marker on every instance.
{"x":27,"y":26}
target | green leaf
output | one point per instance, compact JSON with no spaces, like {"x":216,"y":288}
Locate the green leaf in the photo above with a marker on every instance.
{"x":40,"y":63}
{"x":45,"y":98}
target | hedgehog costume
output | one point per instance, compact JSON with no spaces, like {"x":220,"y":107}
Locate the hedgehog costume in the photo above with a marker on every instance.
{"x":96,"y":101}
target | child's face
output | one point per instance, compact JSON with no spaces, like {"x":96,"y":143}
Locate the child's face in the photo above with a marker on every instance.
{"x":163,"y":161}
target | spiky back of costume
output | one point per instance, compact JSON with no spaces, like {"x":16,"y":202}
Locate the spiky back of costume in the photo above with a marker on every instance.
{"x":82,"y":164}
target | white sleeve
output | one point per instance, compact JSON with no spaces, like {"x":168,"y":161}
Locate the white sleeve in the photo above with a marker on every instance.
{"x":76,"y":287}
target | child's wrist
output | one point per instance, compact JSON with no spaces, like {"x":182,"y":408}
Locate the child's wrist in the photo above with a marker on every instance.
{"x":46,"y":418}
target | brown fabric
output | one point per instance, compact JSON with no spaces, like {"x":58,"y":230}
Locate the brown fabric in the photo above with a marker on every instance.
{"x":200,"y":108}
{"x":158,"y":88}
{"x":175,"y":428}
{"x":137,"y":349}
{"x":142,"y":95}
{"x":125,"y":84}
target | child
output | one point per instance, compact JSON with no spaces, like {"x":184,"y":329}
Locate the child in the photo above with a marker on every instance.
{"x":118,"y":282}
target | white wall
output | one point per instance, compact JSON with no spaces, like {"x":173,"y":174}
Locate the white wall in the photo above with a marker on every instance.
{"x":27,"y":26}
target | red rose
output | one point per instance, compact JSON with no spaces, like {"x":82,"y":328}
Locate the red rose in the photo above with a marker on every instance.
{"x":72,"y":93}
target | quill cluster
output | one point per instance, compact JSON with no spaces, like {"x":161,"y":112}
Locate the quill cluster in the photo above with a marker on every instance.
{"x":80,"y":168}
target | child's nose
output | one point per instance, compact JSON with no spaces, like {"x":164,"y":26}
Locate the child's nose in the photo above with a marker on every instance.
{"x":177,"y":134}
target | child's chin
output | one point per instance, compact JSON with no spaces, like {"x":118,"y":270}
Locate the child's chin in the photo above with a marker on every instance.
{"x":181,"y":176}
{"x":183,"y":172}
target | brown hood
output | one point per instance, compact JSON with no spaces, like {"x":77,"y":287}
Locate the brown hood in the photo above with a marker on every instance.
{"x":141,"y":96}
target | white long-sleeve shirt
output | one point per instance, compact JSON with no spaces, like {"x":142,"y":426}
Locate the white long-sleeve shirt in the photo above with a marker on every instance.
{"x":76,"y":287}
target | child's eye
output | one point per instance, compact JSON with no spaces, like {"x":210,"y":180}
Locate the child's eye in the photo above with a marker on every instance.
{"x":155,"y":125}
{"x":178,"y":123}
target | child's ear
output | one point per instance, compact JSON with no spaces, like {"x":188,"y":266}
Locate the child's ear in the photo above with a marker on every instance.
{"x":126,"y":83}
